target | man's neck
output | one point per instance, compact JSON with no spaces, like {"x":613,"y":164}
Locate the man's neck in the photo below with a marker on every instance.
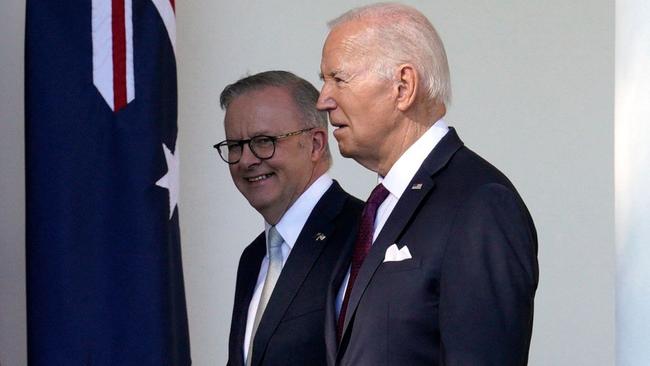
{"x":402,"y":140}
{"x":275,"y":214}
{"x":413,"y":127}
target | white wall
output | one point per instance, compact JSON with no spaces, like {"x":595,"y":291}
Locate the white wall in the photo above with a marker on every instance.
{"x":13,"y":334}
{"x":533,"y":93}
{"x":632,"y":182}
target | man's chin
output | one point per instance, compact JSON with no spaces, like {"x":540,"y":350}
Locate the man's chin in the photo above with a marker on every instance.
{"x":259,"y":205}
{"x":345,"y":153}
{"x":345,"y":150}
{"x":270,"y":210}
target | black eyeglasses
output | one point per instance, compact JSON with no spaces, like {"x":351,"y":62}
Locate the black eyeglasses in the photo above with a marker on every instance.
{"x":262,"y":146}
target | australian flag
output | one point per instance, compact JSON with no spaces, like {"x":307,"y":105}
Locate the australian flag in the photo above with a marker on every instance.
{"x":104,"y":271}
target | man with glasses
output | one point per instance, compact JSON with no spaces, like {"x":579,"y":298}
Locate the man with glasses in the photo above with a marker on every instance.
{"x":277,"y":151}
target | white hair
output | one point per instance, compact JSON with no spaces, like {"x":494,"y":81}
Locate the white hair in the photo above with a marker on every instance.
{"x":401,"y":34}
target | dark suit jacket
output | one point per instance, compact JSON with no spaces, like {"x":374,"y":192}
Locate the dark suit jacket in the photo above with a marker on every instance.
{"x":466,"y":296}
{"x":291,"y":331}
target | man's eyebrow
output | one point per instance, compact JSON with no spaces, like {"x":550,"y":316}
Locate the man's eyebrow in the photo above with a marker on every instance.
{"x":330,"y":74}
{"x":261,"y":132}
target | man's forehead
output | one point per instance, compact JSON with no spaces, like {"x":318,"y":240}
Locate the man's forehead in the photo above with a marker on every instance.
{"x":238,"y":129}
{"x":263,"y":111}
{"x":344,"y":45}
{"x":340,"y":39}
{"x":263,"y":97}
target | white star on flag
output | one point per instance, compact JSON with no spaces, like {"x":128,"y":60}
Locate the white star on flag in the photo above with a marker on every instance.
{"x":171,"y":178}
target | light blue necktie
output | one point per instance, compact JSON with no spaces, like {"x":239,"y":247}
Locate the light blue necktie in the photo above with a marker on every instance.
{"x":274,"y":248}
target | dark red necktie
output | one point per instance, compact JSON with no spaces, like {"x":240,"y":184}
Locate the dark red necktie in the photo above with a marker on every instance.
{"x":361,"y":246}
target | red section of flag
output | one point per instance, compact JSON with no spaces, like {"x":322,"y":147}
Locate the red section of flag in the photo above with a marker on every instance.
{"x":119,"y":55}
{"x":173,"y":2}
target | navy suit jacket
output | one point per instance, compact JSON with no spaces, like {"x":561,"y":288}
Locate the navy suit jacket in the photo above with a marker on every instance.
{"x":466,"y":296}
{"x":291,"y":331}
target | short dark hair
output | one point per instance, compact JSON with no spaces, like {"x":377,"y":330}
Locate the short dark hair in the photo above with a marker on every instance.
{"x":304,"y":95}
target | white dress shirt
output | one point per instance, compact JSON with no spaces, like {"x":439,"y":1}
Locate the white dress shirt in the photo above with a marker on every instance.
{"x":289,"y":227}
{"x":396,"y":182}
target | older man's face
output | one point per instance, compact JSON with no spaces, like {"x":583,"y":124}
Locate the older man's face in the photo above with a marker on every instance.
{"x":361,"y":104}
{"x":271,"y":185}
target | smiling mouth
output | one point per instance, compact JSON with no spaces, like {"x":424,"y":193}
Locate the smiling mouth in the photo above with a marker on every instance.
{"x":259,"y":178}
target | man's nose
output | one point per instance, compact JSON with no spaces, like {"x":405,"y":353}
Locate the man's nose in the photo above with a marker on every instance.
{"x":325,"y":101}
{"x":247,"y":156}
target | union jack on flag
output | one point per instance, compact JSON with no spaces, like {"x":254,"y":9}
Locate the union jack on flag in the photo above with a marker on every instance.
{"x":112,"y":31}
{"x":104,"y":269}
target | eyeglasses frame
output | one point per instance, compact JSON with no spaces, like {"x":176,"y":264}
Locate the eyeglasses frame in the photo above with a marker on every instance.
{"x":241,"y":144}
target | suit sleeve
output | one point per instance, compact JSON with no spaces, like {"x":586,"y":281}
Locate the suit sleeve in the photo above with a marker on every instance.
{"x":488,"y":280}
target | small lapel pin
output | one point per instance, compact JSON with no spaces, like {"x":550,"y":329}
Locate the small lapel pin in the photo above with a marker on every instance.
{"x":320,"y":237}
{"x":417,"y":186}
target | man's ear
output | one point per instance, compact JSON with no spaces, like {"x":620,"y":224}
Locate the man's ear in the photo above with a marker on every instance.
{"x":318,"y":143}
{"x":408,"y":83}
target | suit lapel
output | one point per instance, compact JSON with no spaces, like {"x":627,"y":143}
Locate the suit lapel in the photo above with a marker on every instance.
{"x":338,"y":274}
{"x":310,"y":243}
{"x":420,"y":186}
{"x":249,"y":268}
{"x":397,"y":221}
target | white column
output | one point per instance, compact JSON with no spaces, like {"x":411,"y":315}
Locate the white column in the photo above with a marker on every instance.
{"x":632,"y":182}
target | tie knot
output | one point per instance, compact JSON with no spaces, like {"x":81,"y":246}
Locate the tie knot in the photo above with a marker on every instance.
{"x":275,"y":239}
{"x":378,"y":195}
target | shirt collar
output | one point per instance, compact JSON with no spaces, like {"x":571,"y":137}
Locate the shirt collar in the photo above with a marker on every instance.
{"x":291,"y":223}
{"x":404,"y":169}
